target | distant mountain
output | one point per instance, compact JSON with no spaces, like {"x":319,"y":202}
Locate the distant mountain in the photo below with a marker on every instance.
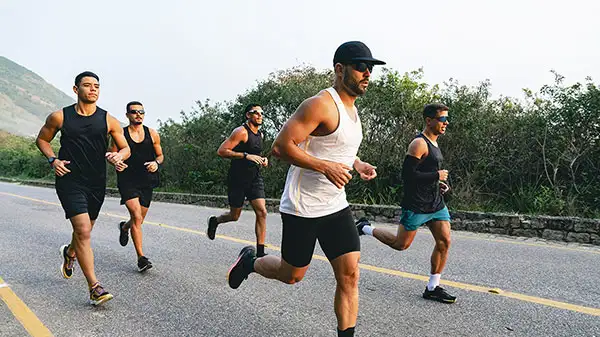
{"x":26,"y":99}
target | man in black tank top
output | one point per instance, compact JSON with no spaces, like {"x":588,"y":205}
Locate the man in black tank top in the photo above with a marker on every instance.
{"x":424,"y":183}
{"x":244,"y":147}
{"x":137,"y":181}
{"x":81,"y":171}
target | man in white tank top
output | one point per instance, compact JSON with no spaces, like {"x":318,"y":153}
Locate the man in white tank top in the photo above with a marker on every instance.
{"x":321,"y":141}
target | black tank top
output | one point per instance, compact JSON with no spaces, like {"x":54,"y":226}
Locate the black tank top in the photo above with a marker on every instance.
{"x":425,"y":197}
{"x":136,"y":173}
{"x":243,"y":169}
{"x":83,"y":142}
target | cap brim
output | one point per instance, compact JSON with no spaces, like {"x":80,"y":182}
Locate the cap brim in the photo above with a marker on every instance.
{"x":369,"y":59}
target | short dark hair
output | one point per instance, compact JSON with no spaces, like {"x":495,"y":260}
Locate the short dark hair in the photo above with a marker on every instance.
{"x":249,"y":108}
{"x":431,"y":110}
{"x":79,"y":77}
{"x":132,"y":103}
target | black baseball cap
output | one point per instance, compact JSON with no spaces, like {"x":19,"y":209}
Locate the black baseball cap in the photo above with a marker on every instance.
{"x":353,"y":51}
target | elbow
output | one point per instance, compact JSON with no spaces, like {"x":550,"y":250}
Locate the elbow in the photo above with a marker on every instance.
{"x":276,"y":150}
{"x":220,"y":153}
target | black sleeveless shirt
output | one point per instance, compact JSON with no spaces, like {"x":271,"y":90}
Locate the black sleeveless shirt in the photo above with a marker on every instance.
{"x":83,"y":142}
{"x":425,"y":197}
{"x":244,"y":169}
{"x":136,"y":173}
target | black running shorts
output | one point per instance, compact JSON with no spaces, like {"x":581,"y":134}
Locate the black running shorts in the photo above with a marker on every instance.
{"x":77,"y":198}
{"x":336,"y":233}
{"x":131,"y":192}
{"x":239,"y":191}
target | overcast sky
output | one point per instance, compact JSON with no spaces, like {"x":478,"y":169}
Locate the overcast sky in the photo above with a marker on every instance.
{"x":168,"y":54}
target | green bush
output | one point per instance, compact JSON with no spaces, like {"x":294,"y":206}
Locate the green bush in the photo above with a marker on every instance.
{"x":540,"y":154}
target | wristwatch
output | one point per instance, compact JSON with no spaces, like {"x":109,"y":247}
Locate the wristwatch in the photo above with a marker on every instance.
{"x":245,"y":155}
{"x":51,"y":160}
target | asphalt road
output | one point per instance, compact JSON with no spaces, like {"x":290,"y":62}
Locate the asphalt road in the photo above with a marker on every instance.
{"x":547,"y":289}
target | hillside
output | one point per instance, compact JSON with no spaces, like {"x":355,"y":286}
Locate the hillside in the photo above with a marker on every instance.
{"x":26,"y":99}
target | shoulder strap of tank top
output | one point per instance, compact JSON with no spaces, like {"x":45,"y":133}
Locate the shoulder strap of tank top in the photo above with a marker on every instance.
{"x":250,"y":131}
{"x":68,"y":112}
{"x":343,"y":115}
{"x":340,"y":105}
{"x":430,"y":145}
{"x":147,"y":133}
{"x":337,"y":99}
{"x":126,"y":134}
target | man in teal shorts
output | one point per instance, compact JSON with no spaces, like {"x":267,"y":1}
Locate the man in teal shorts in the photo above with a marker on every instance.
{"x":423,"y":204}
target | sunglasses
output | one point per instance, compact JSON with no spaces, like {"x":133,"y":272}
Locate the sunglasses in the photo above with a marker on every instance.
{"x":256,"y":112}
{"x":363,"y":66}
{"x":443,"y":119}
{"x":141,"y":112}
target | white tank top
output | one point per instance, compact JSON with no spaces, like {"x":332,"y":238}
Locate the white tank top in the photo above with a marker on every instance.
{"x":310,"y":194}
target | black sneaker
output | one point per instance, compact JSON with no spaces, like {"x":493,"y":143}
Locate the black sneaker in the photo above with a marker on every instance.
{"x":242,"y":267}
{"x":212,"y":227}
{"x":438,"y":294}
{"x":362,"y":222}
{"x":123,"y":234}
{"x":144,"y":264}
{"x":66,"y":268}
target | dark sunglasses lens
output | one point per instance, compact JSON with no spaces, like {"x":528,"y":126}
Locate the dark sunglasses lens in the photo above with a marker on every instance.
{"x":443,"y":119}
{"x":141,"y":112}
{"x":362,"y":67}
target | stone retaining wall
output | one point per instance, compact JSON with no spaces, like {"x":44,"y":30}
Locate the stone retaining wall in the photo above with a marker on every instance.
{"x":569,"y":229}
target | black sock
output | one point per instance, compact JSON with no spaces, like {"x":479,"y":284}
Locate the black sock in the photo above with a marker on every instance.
{"x":346,"y":333}
{"x":260,"y":250}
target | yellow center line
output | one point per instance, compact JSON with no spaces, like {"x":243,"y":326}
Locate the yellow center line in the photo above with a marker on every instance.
{"x":22,"y":313}
{"x":466,"y":286}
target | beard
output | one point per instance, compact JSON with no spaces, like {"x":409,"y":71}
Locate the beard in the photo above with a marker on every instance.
{"x":136,"y":122}
{"x":352,"y":85}
{"x":257,"y":124}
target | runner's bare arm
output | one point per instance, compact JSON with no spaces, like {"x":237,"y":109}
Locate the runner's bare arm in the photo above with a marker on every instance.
{"x":116,"y":132}
{"x":238,"y":135}
{"x":307,"y":118}
{"x":48,"y":132}
{"x":112,"y":147}
{"x":152,"y":166}
{"x":311,"y":114}
{"x":417,"y":148}
{"x":160,"y":158}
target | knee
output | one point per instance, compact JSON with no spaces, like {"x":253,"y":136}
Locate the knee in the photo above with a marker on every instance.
{"x":292,"y":279}
{"x":137,"y":220}
{"x":235,"y":216}
{"x":83,"y":235}
{"x":349,"y":279}
{"x":401,"y":245}
{"x":261,"y":213}
{"x":443,"y":244}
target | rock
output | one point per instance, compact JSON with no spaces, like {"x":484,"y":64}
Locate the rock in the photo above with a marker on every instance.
{"x":530,"y":233}
{"x":551,"y":234}
{"x":578,"y":237}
